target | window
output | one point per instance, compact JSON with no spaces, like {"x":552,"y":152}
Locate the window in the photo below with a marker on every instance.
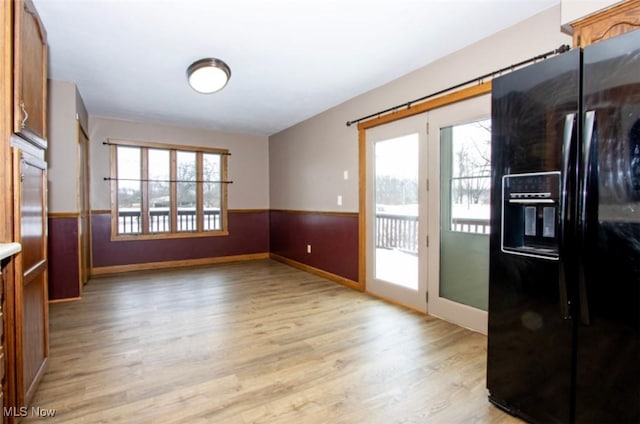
{"x":164,"y":191}
{"x":470,"y":177}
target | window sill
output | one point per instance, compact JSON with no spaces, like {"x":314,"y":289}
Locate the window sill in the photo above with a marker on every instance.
{"x":167,"y":236}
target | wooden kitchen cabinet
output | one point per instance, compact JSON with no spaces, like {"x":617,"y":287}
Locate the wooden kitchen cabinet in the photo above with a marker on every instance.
{"x":7,"y":373}
{"x":31,"y":308}
{"x":30,"y":74}
{"x":617,"y":20}
{"x":23,"y":205}
{"x":4,"y":380}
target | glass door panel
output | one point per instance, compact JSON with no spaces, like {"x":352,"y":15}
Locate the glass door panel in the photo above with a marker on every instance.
{"x":459,"y":140}
{"x":396,"y":206}
{"x":464,"y":234}
{"x":396,"y":202}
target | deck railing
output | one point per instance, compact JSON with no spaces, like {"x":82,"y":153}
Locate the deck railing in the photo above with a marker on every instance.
{"x":395,"y":231}
{"x":470,"y":225}
{"x":130,"y":222}
{"x":400,"y":232}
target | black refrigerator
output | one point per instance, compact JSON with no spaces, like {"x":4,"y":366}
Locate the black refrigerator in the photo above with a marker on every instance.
{"x":564,"y":273}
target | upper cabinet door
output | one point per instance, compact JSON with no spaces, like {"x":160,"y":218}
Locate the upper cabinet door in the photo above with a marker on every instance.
{"x":30,"y":73}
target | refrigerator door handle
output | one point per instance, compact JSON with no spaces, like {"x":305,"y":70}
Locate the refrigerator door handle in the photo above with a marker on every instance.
{"x":569,"y":122}
{"x":589,"y":124}
{"x":567,"y":138}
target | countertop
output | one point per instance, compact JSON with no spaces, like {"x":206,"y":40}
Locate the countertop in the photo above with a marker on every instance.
{"x":8,"y":249}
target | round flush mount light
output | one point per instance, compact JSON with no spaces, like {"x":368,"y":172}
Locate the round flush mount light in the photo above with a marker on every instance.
{"x":208,"y":75}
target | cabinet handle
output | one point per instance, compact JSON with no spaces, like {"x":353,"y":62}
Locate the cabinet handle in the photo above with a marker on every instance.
{"x":23,"y":124}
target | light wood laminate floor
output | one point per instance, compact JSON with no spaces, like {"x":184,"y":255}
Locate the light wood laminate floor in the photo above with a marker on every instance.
{"x":256,"y":342}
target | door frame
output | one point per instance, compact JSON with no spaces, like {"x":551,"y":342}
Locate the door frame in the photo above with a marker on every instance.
{"x":84,"y":207}
{"x":363,"y":126}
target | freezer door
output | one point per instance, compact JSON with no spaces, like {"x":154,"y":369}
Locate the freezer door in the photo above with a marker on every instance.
{"x":529,"y":361}
{"x":608,"y":355}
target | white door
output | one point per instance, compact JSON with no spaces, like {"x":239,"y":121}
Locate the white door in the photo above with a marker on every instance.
{"x":459,"y":152}
{"x":396,"y":212}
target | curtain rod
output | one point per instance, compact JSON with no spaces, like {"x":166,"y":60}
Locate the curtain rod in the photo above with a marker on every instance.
{"x":563,"y":48}
{"x":167,"y":181}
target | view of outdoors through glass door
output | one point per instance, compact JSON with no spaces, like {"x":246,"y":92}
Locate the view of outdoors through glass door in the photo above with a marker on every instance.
{"x":464,"y":235}
{"x":458,"y":276}
{"x":396,"y":211}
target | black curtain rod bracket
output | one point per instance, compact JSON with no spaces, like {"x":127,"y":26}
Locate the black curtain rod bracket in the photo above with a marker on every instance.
{"x":562,"y":49}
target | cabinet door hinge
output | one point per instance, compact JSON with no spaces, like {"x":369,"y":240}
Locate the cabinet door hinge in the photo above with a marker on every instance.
{"x":427,"y":125}
{"x":426,"y":297}
{"x":427,"y":241}
{"x":427,"y":184}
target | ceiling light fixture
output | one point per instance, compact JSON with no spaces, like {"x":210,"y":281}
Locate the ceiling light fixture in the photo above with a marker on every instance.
{"x":208,"y":75}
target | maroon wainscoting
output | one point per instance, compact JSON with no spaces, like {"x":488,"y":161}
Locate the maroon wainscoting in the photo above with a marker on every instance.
{"x":333,"y":238}
{"x":64,"y":274}
{"x":248,"y":233}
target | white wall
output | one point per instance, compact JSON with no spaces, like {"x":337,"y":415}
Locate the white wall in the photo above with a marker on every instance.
{"x":62,"y":153}
{"x":248,"y":165}
{"x":307,"y":160}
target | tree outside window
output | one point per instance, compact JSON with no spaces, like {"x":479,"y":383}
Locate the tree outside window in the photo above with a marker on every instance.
{"x":470,"y":180}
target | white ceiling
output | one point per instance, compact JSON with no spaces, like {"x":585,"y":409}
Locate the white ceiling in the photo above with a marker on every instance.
{"x":289,"y":59}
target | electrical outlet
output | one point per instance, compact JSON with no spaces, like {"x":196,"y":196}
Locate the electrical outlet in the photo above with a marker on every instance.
{"x":346,"y":175}
{"x":308,"y":248}
{"x":339,"y":200}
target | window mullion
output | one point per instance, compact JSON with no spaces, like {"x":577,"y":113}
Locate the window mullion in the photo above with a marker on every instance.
{"x":173,"y":195}
{"x":145,"y":190}
{"x":223,"y":193}
{"x":115,"y":205}
{"x":199,"y":193}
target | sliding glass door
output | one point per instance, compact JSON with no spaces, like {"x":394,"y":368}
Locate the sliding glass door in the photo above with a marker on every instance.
{"x":460,"y":137}
{"x":395,"y":189}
